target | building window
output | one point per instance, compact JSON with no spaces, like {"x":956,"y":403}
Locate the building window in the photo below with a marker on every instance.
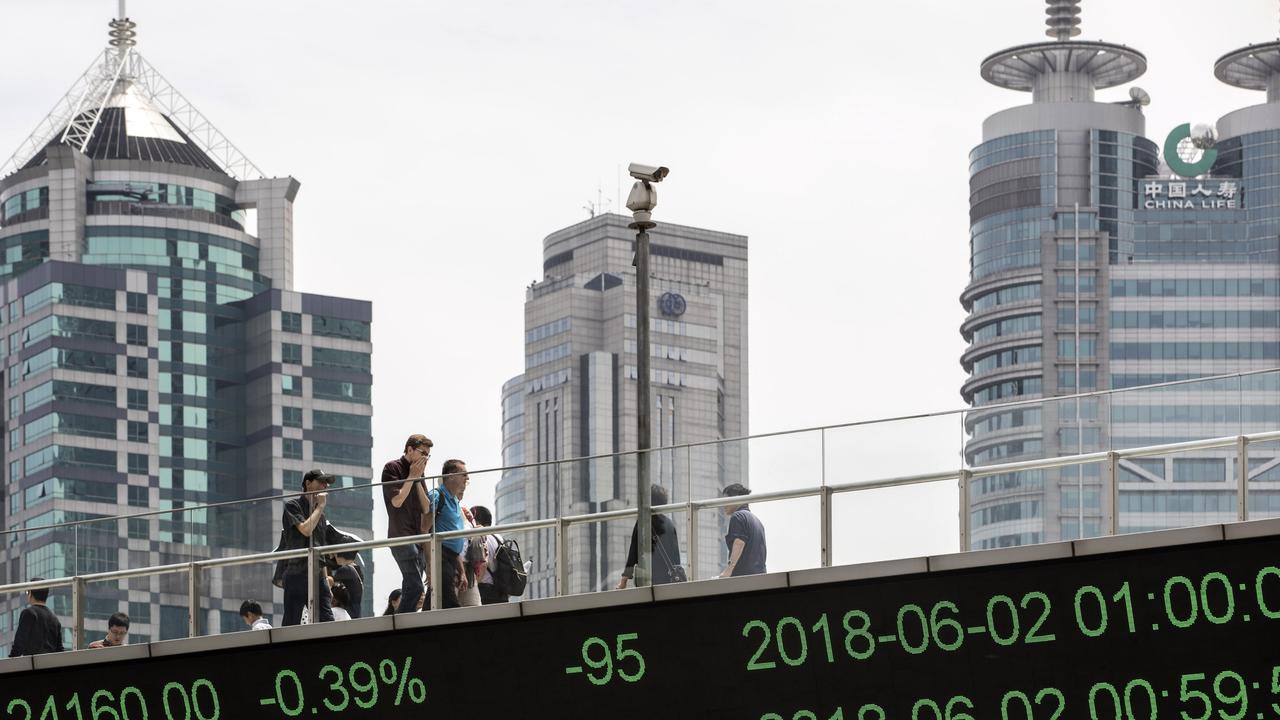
{"x":291,"y":353}
{"x":347,"y":359}
{"x":341,"y":453}
{"x":291,"y":385}
{"x":136,"y":367}
{"x":137,"y":399}
{"x":340,"y":390}
{"x":136,"y":303}
{"x":137,"y":431}
{"x":139,"y":529}
{"x":138,"y":495}
{"x":292,"y":417}
{"x":340,"y":422}
{"x":139,"y":464}
{"x":291,"y":448}
{"x":336,"y":327}
{"x":291,"y":322}
{"x":1199,"y":470}
{"x":136,"y":334}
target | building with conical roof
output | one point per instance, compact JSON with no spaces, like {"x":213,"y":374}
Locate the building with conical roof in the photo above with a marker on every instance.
{"x":157,"y":356}
{"x":1101,"y":259}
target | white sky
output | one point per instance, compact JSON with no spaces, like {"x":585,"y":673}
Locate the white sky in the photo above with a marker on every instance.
{"x":438,"y":143}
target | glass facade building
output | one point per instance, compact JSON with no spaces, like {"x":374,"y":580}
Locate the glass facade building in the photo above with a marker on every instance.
{"x":1096,"y":266}
{"x":155,"y":357}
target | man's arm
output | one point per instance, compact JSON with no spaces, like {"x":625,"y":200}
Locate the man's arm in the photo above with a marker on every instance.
{"x":734,"y":555}
{"x":461,"y":576}
{"x":420,"y":488}
{"x":406,"y":486}
{"x":306,"y":527}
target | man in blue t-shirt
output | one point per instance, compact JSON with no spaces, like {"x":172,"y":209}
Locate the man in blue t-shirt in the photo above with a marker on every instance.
{"x":446,"y":515}
{"x":745,"y":538}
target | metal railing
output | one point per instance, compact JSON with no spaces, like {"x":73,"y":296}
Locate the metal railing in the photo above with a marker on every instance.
{"x":561,"y":525}
{"x":826,"y":440}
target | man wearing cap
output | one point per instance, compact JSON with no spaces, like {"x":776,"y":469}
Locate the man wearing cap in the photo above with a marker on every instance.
{"x":406,"y":496}
{"x":304,"y":519}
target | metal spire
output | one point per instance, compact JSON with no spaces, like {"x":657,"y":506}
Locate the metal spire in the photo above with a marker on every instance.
{"x":1063,"y":20}
{"x":74,"y":119}
{"x":122,"y":32}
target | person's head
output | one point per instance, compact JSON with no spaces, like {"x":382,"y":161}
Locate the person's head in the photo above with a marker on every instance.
{"x":658,"y":495}
{"x":39,"y":595}
{"x":341,"y":598}
{"x":734,"y":490}
{"x":316,"y":480}
{"x":455,"y":476}
{"x":117,"y":629}
{"x":417,"y":447}
{"x":483,"y":517}
{"x":393,"y":602}
{"x":250,"y":611}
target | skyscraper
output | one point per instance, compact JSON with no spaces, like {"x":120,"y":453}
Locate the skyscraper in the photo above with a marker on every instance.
{"x":1096,"y":264}
{"x":577,"y":394}
{"x":157,"y":356}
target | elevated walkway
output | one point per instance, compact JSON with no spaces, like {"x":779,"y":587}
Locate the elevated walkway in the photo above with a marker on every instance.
{"x":1140,"y":625}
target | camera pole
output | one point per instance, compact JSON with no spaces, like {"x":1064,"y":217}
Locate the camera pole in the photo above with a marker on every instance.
{"x":644,"y":403}
{"x":641,"y":202}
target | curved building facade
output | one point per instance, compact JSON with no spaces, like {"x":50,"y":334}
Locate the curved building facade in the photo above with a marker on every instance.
{"x":1094,"y":266}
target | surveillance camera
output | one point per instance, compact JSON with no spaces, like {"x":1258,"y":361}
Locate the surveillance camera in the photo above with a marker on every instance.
{"x":648,"y":173}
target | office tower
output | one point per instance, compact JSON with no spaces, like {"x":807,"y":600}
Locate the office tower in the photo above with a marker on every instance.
{"x":157,"y":356}
{"x":1103,"y":260}
{"x":577,"y":395}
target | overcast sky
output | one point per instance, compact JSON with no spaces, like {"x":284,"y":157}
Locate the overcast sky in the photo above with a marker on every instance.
{"x":438,"y":143}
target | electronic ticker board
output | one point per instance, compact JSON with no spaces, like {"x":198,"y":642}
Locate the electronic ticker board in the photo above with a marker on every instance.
{"x":1184,"y":632}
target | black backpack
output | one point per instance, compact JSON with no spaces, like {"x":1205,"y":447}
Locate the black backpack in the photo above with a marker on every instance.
{"x":509,"y":577}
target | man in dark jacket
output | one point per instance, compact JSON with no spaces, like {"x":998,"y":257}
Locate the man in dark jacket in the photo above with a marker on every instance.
{"x":304,"y":518}
{"x":38,"y":628}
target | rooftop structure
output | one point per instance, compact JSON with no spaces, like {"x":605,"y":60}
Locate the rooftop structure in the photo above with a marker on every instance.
{"x":123,"y":108}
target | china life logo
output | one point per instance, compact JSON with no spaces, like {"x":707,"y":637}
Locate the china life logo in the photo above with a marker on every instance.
{"x":1191,"y":153}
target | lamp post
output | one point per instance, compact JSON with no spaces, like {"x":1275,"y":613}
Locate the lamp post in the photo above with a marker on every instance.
{"x":641,"y":202}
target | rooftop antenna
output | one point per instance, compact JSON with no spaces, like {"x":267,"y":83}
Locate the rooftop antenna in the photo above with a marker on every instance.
{"x":122,"y":32}
{"x":1063,"y":20}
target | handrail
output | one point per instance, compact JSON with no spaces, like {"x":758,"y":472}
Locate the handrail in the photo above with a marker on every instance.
{"x":625,"y":513}
{"x":978,"y":472}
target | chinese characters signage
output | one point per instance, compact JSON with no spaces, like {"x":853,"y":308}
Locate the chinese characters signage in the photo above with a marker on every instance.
{"x":1191,"y":195}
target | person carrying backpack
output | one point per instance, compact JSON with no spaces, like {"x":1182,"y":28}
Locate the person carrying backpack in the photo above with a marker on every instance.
{"x":505,"y":572}
{"x":488,"y":593}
